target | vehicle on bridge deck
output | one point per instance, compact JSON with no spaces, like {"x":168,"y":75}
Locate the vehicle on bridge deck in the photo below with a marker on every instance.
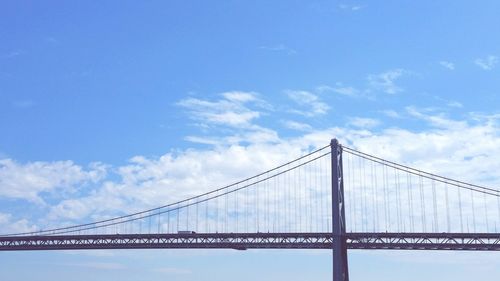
{"x":186,"y":232}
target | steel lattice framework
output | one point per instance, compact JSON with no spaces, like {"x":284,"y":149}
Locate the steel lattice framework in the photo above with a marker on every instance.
{"x":243,"y":241}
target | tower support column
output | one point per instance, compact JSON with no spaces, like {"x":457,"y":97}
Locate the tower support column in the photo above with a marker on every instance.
{"x":340,"y":268}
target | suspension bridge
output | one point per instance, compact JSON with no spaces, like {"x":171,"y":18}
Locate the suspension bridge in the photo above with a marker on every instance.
{"x":335,"y":198}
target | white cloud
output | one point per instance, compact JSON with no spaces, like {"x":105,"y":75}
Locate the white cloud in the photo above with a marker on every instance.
{"x":447,"y":64}
{"x":323,"y":88}
{"x":487,"y":63}
{"x":203,"y":140}
{"x":234,"y":110}
{"x":241,"y":97}
{"x":28,"y":181}
{"x":364,"y":122}
{"x":438,"y":120}
{"x":298,"y":126}
{"x":351,"y":7}
{"x":311,"y":104}
{"x":381,"y":82}
{"x":234,"y":117}
{"x":448,"y":103}
{"x":391,"y":113}
{"x":455,"y":104}
{"x":254,"y":134}
{"x":386,"y":81}
{"x":343,"y":90}
{"x":347,"y":91}
{"x":9,"y":225}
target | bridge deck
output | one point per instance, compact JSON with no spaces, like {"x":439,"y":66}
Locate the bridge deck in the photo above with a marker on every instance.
{"x":243,"y":241}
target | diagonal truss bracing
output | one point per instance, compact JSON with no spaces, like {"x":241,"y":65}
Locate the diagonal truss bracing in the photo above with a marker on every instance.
{"x":243,"y":241}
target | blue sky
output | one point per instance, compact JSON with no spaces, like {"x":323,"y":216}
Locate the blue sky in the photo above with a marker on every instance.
{"x":101,"y":99}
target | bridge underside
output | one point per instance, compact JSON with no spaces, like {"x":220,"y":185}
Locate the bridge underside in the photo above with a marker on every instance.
{"x":243,"y":241}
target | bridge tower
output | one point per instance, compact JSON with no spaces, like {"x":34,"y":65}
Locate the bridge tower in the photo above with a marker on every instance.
{"x":340,"y":268}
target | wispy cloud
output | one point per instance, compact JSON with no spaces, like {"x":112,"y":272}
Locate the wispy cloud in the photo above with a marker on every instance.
{"x":347,"y":91}
{"x":231,"y":111}
{"x":386,"y":81}
{"x":234,"y":116}
{"x":310,"y":103}
{"x":487,"y":63}
{"x":280,"y":48}
{"x":342,"y":90}
{"x":436,"y":120}
{"x":323,"y":89}
{"x":256,"y":134}
{"x":447,"y":64}
{"x":375,"y":83}
{"x":391,"y":113}
{"x":298,"y":126}
{"x":363,"y":123}
{"x":455,"y":104}
{"x":351,"y":7}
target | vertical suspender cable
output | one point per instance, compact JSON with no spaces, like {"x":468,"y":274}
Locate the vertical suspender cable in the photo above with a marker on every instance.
{"x":448,"y":226}
{"x":362,"y":197}
{"x":486,"y":213}
{"x":322,"y":197}
{"x":354,"y":192}
{"x":410,"y":201}
{"x":473,"y":211}
{"x":400,"y":203}
{"x":159,"y":219}
{"x":398,"y":200}
{"x":374,"y":213}
{"x":422,"y":203}
{"x":386,"y":198}
{"x":460,"y":210}
{"x":434,"y":206}
{"x":311,"y":207}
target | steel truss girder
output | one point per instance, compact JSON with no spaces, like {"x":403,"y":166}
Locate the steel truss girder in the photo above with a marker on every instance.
{"x":425,"y":241}
{"x":243,"y":241}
